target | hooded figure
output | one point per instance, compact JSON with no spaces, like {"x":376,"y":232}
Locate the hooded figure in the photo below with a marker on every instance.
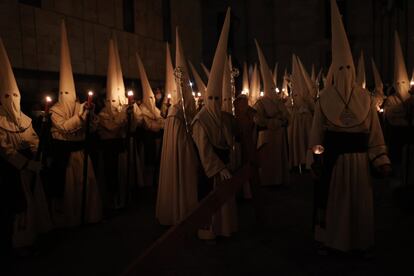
{"x":245,"y":90}
{"x":254,"y":92}
{"x":212,"y":134}
{"x":395,"y":109}
{"x":272,"y":119}
{"x":113,"y":131}
{"x":347,"y":136}
{"x":361,"y":78}
{"x":68,"y":131}
{"x":198,"y":80}
{"x":152,"y":115}
{"x":275,"y":74}
{"x":301,"y":116}
{"x":206,"y":71}
{"x":170,"y":96}
{"x":311,"y":84}
{"x":24,"y":211}
{"x":379,"y":87}
{"x":177,"y":186}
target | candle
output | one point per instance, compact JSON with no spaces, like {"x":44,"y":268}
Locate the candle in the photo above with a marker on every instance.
{"x":198,"y":94}
{"x":277,"y":90}
{"x":261,"y":93}
{"x":411,"y":83}
{"x":90,"y":97}
{"x":318,"y":149}
{"x":130,"y":94}
{"x":168,"y":98}
{"x":48,"y":101}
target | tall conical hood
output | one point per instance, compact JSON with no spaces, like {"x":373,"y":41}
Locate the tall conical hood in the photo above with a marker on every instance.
{"x":361,"y":78}
{"x":215,"y":81}
{"x":313,"y":75}
{"x":67,"y":92}
{"x":343,"y":68}
{"x":199,"y":82}
{"x":121,"y":86}
{"x":310,"y":85}
{"x":254,"y":86}
{"x":9,"y":92}
{"x":148,"y":99}
{"x":170,"y":86}
{"x":299,"y":87}
{"x":275,"y":74}
{"x":115,"y":89}
{"x":269,"y":85}
{"x":226,"y":104}
{"x":401,"y":82}
{"x":285,"y":91}
{"x":180,"y":61}
{"x":245,"y":79}
{"x":206,"y":71}
{"x":377,"y":79}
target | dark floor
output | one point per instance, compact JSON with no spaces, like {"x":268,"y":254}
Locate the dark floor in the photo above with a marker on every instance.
{"x":283,"y":247}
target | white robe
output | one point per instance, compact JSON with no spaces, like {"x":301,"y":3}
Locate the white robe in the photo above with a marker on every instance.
{"x":207,"y":136}
{"x":36,"y":218}
{"x":68,"y":212}
{"x":271,"y":142}
{"x":298,"y":132}
{"x":177,"y":186}
{"x":349,"y":213}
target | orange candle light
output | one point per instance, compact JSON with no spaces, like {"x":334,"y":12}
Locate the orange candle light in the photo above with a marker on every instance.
{"x":130,"y":94}
{"x":48,"y":101}
{"x":90,"y":97}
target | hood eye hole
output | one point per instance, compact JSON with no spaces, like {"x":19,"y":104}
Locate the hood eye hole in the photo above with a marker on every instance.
{"x":113,"y":101}
{"x":7,"y":96}
{"x":15,"y":94}
{"x":210,"y":97}
{"x":403,"y":82}
{"x":66,"y":92}
{"x":216,"y":98}
{"x":61,"y":93}
{"x":348,"y":67}
{"x":340,"y":68}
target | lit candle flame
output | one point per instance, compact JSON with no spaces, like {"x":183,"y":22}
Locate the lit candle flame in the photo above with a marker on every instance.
{"x":90,"y":93}
{"x":261,"y":93}
{"x":412,"y":83}
{"x":277,"y":90}
{"x":193,"y":94}
{"x":199,"y":94}
{"x":130,"y":93}
{"x":169,"y":96}
{"x":318,"y":149}
{"x":48,"y":99}
{"x":191,"y":84}
{"x":381,"y":110}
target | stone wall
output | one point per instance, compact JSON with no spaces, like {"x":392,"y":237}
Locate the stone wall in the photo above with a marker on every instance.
{"x":32,"y":38}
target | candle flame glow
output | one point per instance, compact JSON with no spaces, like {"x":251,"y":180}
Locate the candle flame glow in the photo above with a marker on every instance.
{"x":193,"y":94}
{"x":261,"y":93}
{"x":277,"y":90}
{"x":130,"y":93}
{"x":169,"y":96}
{"x":199,"y":94}
{"x":90,"y":93}
{"x":48,"y":99}
{"x":318,"y":149}
{"x":412,"y":83}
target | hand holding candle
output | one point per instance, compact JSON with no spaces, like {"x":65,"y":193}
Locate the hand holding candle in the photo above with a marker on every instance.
{"x":90,"y":98}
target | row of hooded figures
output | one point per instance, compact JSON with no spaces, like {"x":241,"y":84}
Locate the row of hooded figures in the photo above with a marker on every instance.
{"x":49,"y":181}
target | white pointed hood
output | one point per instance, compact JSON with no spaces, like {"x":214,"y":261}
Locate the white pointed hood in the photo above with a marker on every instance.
{"x":148,"y":98}
{"x":361,"y":78}
{"x":310,"y":85}
{"x":67,"y":92}
{"x":115,"y":88}
{"x":245,"y":87}
{"x":379,"y":87}
{"x":269,"y":85}
{"x":206,"y":71}
{"x":275,"y":74}
{"x":254,"y":88}
{"x":215,"y":81}
{"x":10,"y":96}
{"x":284,"y":91}
{"x":226,"y":101}
{"x":343,"y":68}
{"x":401,"y":82}
{"x":180,"y":61}
{"x":170,"y":86}
{"x":201,"y":86}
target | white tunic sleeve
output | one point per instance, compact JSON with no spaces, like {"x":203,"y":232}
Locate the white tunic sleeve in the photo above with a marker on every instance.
{"x":70,"y":125}
{"x":209,"y":159}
